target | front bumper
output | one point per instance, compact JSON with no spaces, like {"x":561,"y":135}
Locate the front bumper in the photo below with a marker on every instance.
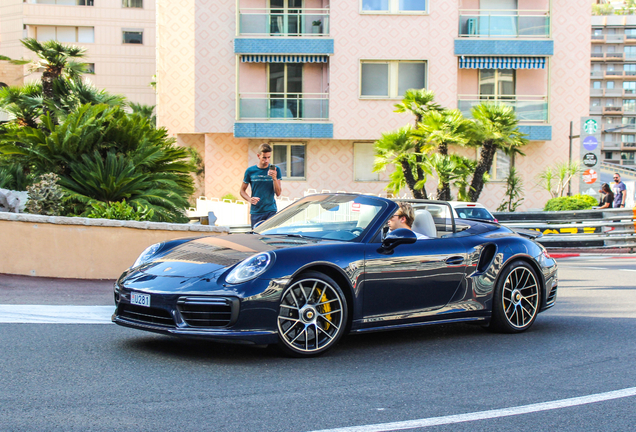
{"x":221,"y":318}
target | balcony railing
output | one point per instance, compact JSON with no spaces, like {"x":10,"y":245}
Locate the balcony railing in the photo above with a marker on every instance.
{"x":611,"y":145}
{"x":62,"y":2}
{"x":485,"y":23}
{"x":612,"y":110}
{"x":277,"y":22}
{"x":532,"y":109}
{"x":614,"y":56}
{"x":598,"y":38}
{"x":279,"y":106}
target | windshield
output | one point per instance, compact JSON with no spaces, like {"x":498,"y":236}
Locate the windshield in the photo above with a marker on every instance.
{"x":474,"y":213}
{"x":333,"y":217}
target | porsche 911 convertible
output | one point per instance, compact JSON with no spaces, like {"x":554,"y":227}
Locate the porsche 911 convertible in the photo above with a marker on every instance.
{"x":327,"y":266}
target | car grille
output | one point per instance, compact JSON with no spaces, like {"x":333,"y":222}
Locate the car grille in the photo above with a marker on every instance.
{"x":145,"y":315}
{"x":552,"y":296}
{"x":208,"y":311}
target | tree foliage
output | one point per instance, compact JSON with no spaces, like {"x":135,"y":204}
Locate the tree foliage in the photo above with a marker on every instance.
{"x":514,"y":192}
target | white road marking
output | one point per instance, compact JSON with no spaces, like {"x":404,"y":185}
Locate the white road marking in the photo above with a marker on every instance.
{"x":46,"y":314}
{"x":483,"y":415}
{"x":627,"y":269}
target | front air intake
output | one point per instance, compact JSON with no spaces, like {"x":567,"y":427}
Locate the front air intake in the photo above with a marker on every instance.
{"x":208,"y":311}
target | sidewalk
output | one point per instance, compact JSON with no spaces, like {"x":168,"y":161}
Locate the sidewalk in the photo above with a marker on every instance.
{"x":53,"y":291}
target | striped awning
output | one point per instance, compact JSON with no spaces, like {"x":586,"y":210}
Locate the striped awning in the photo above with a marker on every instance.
{"x":466,"y":62}
{"x":270,"y":58}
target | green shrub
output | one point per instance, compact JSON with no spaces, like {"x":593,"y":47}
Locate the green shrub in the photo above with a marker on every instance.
{"x":45,"y":196}
{"x":120,"y":211}
{"x":574,"y":202}
{"x":229,"y":196}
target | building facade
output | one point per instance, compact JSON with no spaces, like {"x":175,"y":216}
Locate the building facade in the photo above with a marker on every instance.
{"x":318,"y":80}
{"x":119,"y":36}
{"x":613,"y":85}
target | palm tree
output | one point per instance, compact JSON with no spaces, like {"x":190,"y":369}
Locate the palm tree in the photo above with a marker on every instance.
{"x":147,"y":111}
{"x":441,"y":129}
{"x":496,"y":127}
{"x":401,"y":149}
{"x":418,"y":102}
{"x":55,"y":61}
{"x":23,"y":102}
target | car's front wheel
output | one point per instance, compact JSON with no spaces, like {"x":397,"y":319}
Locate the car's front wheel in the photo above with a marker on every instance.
{"x":312,"y":316}
{"x":516,"y":298}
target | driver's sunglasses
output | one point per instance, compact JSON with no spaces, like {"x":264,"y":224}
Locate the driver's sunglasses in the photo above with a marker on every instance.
{"x":398,"y":215}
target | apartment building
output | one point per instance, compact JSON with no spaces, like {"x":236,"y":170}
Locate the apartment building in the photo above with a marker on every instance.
{"x":119,"y":36}
{"x":613,"y":85}
{"x":318,"y":80}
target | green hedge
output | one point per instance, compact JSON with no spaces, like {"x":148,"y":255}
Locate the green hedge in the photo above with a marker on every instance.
{"x":574,"y":202}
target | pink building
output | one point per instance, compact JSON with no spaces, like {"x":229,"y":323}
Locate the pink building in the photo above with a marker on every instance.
{"x":118,"y":35}
{"x":318,"y":80}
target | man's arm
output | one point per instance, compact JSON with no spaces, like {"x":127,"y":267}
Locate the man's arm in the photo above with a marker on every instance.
{"x":278,"y":188}
{"x":246,"y":197}
{"x":624,"y":193}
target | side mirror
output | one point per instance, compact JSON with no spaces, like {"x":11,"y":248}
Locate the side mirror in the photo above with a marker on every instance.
{"x":395,"y":238}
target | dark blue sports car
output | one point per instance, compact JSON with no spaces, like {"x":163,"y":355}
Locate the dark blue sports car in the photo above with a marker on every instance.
{"x":326,"y":266}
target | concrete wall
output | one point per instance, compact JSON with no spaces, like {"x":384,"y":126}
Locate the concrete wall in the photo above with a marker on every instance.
{"x":81,"y":248}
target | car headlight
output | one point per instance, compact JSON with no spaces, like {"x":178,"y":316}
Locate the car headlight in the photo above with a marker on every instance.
{"x":147,"y":254}
{"x":250,"y":268}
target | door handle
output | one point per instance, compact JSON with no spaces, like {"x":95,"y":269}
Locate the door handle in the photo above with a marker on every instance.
{"x":456,"y":260}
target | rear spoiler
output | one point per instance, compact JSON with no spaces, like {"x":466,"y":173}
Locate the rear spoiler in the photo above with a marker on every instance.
{"x":531,"y":234}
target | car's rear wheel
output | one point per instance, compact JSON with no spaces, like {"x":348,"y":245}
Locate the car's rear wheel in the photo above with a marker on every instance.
{"x":312,"y":316}
{"x":516,"y":298}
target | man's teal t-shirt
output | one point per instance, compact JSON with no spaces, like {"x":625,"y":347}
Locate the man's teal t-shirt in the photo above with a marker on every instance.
{"x":262,"y":187}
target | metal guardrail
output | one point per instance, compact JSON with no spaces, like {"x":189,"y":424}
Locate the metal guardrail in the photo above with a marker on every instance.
{"x":611,"y":228}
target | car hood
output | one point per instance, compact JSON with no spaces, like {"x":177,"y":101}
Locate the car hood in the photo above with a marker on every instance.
{"x":210,"y":254}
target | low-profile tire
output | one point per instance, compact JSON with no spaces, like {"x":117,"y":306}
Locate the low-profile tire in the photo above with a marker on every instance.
{"x":516,"y":299}
{"x":312,"y":316}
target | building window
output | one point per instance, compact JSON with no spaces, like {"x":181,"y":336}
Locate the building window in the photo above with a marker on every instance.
{"x":630,"y":52}
{"x":630,"y":69}
{"x":628,"y":138}
{"x":393,"y":6}
{"x":627,"y":156}
{"x":391,"y":79}
{"x":609,"y":85}
{"x":132,"y":3}
{"x":596,"y":102}
{"x":65,"y":34}
{"x":363,"y":159}
{"x":90,"y":68}
{"x":133,"y":36}
{"x":629,"y":104}
{"x":629,"y":87}
{"x":597,"y":32}
{"x":500,"y":166}
{"x":285,"y":81}
{"x":608,"y":155}
{"x":596,"y":84}
{"x":496,"y":83}
{"x":629,"y":120}
{"x":290,"y":158}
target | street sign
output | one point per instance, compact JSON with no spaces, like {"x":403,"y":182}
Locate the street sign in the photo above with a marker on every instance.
{"x":590,"y":155}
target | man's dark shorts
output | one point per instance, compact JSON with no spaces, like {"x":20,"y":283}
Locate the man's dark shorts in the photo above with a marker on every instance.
{"x":257,"y":217}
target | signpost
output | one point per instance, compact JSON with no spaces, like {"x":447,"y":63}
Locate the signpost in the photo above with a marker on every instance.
{"x":590,"y":155}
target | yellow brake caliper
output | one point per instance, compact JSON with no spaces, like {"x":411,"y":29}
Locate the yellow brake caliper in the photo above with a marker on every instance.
{"x":326,"y":308}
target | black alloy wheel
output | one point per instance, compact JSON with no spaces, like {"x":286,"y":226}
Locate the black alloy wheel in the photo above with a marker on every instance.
{"x":312,"y":315}
{"x":517,"y":298}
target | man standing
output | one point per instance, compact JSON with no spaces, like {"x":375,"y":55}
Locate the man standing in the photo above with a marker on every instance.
{"x":619,"y":189}
{"x":265,"y":182}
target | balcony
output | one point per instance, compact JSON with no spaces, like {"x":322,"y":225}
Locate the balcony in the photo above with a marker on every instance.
{"x":630,"y":39}
{"x":614,"y":56}
{"x":614,"y":39}
{"x":596,"y":92}
{"x":597,"y":56}
{"x":600,"y":39}
{"x":529,"y":109}
{"x":268,"y":22}
{"x":612,"y":110}
{"x":615,"y":92}
{"x":62,"y":2}
{"x":611,"y":146}
{"x":492,"y":23}
{"x":283,"y":107}
{"x":597,"y":74}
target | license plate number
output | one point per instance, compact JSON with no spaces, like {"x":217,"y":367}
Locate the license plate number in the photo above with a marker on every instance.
{"x":140,"y":299}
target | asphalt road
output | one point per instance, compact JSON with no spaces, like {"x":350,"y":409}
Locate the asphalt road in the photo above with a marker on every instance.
{"x":104,"y":377}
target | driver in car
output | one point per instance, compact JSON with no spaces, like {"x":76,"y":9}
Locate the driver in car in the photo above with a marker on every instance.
{"x":403,"y":218}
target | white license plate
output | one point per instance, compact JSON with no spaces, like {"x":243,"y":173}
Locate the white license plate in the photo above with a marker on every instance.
{"x":140,"y":299}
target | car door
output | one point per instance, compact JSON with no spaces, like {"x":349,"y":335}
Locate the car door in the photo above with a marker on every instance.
{"x":415,"y":279}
